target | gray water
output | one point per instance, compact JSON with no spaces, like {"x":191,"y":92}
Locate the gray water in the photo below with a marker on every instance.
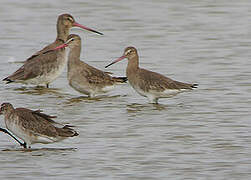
{"x":202,"y":134}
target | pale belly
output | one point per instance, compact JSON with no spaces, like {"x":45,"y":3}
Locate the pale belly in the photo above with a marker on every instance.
{"x":46,"y":139}
{"x":29,"y":137}
{"x":79,"y":87}
{"x":17,"y":131}
{"x":158,"y":94}
{"x":88,"y":89}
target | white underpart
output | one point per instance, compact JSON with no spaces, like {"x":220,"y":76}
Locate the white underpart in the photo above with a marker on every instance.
{"x":46,"y":139}
{"x":108,"y":88}
{"x":18,"y":131}
{"x":79,"y":87}
{"x":153,"y":96}
{"x":90,"y":91}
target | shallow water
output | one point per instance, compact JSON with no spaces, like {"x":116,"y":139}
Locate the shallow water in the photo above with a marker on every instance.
{"x":203,"y":134}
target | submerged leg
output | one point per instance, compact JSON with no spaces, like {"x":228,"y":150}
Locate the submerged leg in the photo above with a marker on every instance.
{"x":91,"y":95}
{"x":24,"y":145}
{"x":152,"y":100}
{"x":7,"y":132}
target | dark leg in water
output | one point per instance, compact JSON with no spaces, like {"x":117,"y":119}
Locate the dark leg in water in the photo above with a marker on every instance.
{"x":47,"y":85}
{"x":7,"y":132}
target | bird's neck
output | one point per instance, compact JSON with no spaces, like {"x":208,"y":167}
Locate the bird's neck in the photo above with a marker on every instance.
{"x":74,"y":56}
{"x":8,"y":113}
{"x":133,"y":65}
{"x":62,"y":32}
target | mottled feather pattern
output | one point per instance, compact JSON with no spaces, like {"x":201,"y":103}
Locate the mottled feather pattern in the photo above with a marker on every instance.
{"x":47,"y":48}
{"x":157,"y":82}
{"x":36,"y":65}
{"x":39,"y":123}
{"x":95,"y":76}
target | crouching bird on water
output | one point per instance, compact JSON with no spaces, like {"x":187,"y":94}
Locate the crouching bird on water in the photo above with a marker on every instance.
{"x":84,"y":78}
{"x":33,"y":126}
{"x":43,"y":68}
{"x":147,"y":83}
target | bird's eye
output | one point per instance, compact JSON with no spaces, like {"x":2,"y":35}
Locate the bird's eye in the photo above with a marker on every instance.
{"x":69,"y":40}
{"x":129,"y":51}
{"x":70,"y":19}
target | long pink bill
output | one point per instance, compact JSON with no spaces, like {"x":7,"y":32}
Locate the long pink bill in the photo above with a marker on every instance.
{"x":117,"y":60}
{"x":61,"y":46}
{"x":86,"y":28}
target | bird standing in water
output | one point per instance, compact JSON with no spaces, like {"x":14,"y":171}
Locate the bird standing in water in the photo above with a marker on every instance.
{"x":33,"y":126}
{"x":147,"y":83}
{"x":83,"y":77}
{"x":43,"y":68}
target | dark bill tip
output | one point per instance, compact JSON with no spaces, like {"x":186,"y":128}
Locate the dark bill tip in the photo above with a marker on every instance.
{"x":109,"y":65}
{"x":117,"y":60}
{"x":86,"y":28}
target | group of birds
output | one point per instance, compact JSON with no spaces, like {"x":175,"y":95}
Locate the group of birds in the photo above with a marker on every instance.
{"x":46,"y":65}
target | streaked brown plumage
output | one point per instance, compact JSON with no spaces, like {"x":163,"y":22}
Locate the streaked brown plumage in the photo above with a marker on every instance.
{"x":38,"y":69}
{"x":83,"y":77}
{"x":34,"y":126}
{"x":148,"y":83}
{"x":41,"y":67}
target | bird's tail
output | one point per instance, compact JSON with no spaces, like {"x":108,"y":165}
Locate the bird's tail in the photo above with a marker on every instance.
{"x":120,"y":79}
{"x":194,"y":85}
{"x":18,"y":75}
{"x":8,"y":80}
{"x":67,"y":131}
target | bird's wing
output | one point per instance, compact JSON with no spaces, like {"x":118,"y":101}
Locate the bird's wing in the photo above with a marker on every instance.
{"x":45,"y":49}
{"x":34,"y":67}
{"x":36,"y":124}
{"x":157,"y":82}
{"x":95,"y":76}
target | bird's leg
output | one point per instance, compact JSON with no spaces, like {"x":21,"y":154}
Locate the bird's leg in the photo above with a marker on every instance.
{"x":7,"y":132}
{"x":47,"y":85}
{"x":156,"y":101}
{"x":24,"y":145}
{"x":152,"y":100}
{"x":38,"y":87}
